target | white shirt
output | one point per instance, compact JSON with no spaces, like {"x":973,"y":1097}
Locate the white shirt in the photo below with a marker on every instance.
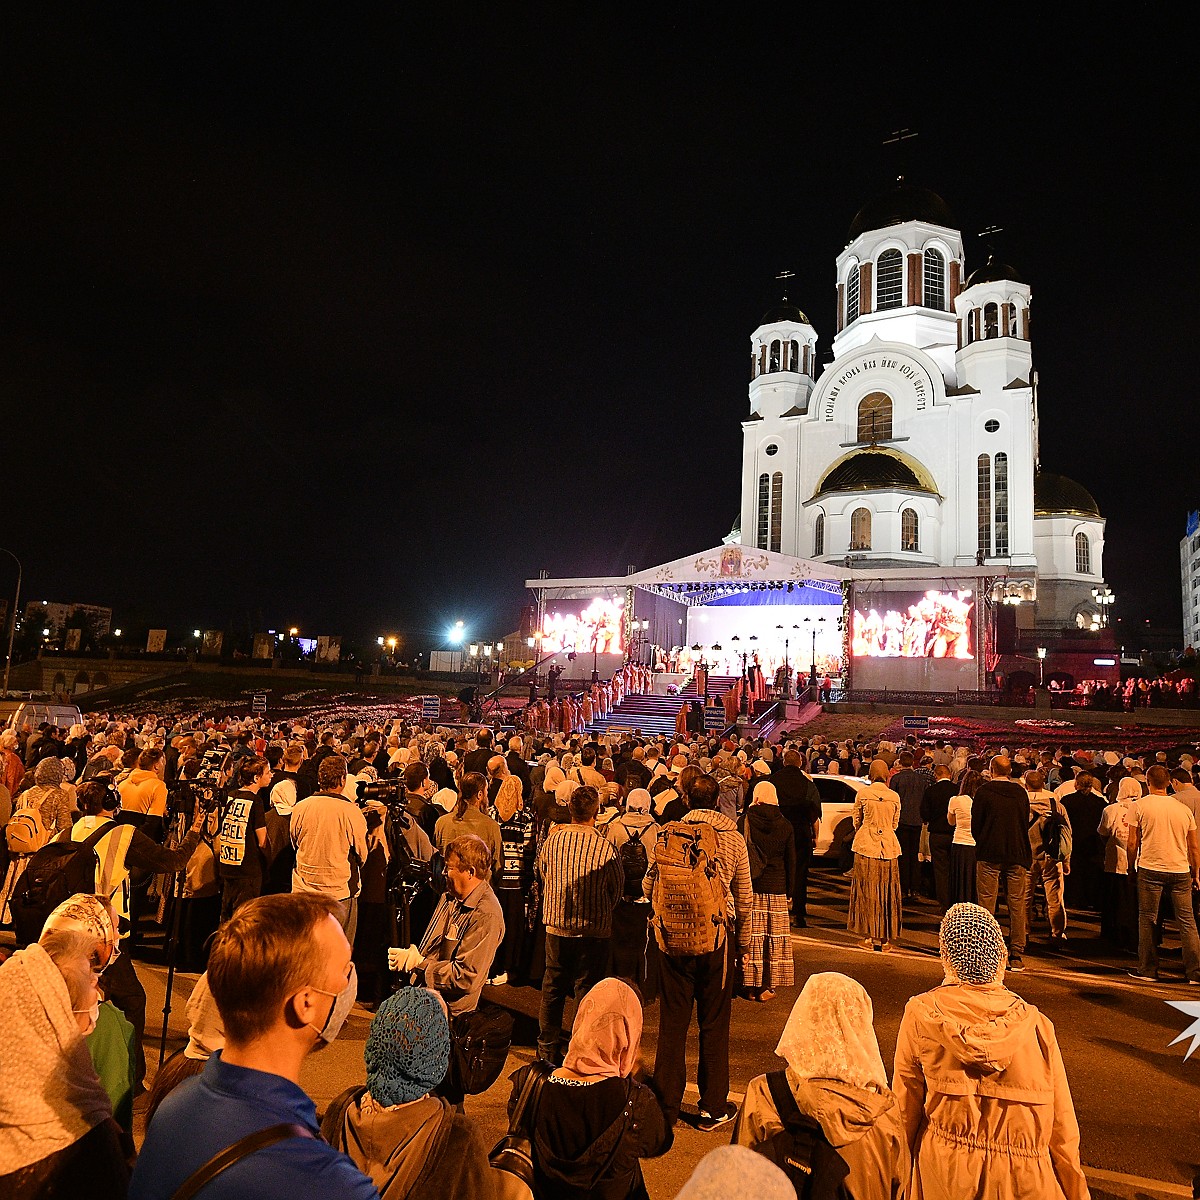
{"x":1165,"y":825}
{"x":958,"y":813}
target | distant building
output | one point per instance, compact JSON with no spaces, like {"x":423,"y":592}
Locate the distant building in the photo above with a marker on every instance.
{"x":53,"y":615}
{"x":1189,"y":570}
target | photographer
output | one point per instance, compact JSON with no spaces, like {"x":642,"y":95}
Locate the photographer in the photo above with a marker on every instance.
{"x":122,"y":848}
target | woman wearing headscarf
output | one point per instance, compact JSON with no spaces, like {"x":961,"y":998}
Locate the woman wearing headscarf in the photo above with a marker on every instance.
{"x":983,"y":1093}
{"x":513,"y":881}
{"x":1118,"y":895}
{"x":837,"y":1079}
{"x":57,"y":1133}
{"x":875,"y":902}
{"x":409,"y":1141}
{"x":768,"y":964}
{"x":593,"y":1122}
{"x":54,"y":807}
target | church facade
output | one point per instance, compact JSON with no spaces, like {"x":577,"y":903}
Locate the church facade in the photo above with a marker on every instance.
{"x":917,"y":447}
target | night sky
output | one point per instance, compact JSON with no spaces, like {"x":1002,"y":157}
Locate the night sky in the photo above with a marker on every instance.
{"x":357,"y":326}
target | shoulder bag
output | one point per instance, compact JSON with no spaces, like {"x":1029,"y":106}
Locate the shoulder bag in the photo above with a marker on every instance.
{"x":512,"y":1156}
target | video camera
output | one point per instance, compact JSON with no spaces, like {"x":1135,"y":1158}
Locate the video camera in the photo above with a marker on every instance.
{"x":386,"y":790}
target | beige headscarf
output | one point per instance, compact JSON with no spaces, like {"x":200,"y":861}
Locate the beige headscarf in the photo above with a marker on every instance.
{"x":765,"y":793}
{"x":607,"y":1035}
{"x":508,"y":798}
{"x":829,"y":1034}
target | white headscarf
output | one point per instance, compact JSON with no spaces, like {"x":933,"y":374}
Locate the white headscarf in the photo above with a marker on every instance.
{"x":765,"y":793}
{"x":829,"y":1034}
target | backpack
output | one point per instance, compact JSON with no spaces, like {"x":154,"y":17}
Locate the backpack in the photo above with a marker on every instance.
{"x":691,"y":901}
{"x":1056,"y":834}
{"x":25,"y":832}
{"x":634,"y":862}
{"x":56,"y":872}
{"x":801,"y":1150}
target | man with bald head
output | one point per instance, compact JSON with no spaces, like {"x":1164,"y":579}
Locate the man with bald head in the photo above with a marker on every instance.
{"x":1000,"y":826}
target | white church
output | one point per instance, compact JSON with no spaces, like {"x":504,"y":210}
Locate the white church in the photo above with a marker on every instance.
{"x":910,"y":462}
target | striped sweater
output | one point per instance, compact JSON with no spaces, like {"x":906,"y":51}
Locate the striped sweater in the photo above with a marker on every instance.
{"x":582,"y":881}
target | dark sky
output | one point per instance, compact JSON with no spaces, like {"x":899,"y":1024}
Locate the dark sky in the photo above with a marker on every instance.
{"x":357,"y":326}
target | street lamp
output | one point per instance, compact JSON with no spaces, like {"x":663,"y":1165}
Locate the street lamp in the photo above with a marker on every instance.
{"x":1041,"y":653}
{"x":456,"y":632}
{"x":1103,"y":596}
{"x":812,"y":669}
{"x":12,"y":628}
{"x":745,"y":705}
{"x":702,"y":666}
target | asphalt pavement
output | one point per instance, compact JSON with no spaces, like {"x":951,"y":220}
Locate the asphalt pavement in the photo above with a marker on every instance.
{"x":1136,"y":1098}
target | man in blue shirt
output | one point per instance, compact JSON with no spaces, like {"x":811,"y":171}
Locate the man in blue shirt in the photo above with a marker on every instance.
{"x":281,"y":975}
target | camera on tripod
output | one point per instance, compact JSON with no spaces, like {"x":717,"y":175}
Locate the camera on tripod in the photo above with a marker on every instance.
{"x":208,"y":795}
{"x":386,"y":790}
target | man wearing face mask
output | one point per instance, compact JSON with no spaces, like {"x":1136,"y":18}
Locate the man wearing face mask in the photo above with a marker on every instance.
{"x":281,"y":975}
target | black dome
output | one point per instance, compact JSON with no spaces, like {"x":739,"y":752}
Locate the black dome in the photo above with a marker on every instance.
{"x":993,"y":271}
{"x":904,"y":202}
{"x":783,"y":311}
{"x":1058,"y":494}
{"x":870,"y":471}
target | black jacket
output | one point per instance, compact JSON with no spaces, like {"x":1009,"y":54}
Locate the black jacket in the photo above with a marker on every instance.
{"x":934,"y":805}
{"x":800,"y":802}
{"x":775,"y":841}
{"x":1000,"y":824}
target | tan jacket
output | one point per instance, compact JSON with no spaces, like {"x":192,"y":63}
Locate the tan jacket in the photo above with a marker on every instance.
{"x":862,"y":1125}
{"x":876,"y":815}
{"x":984,"y":1097}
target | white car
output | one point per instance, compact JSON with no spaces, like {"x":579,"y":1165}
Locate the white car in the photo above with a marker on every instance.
{"x":837,"y":802}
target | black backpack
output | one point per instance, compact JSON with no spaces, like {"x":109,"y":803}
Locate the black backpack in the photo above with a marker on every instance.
{"x":56,"y":872}
{"x":634,"y":862}
{"x":801,"y":1151}
{"x":1056,"y":841}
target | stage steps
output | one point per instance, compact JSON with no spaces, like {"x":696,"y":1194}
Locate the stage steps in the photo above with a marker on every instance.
{"x":657,"y":714}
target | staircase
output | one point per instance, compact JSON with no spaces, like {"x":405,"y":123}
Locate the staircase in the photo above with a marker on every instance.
{"x":656,"y":714}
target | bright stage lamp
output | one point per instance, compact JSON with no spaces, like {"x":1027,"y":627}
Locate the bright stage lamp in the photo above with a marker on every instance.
{"x":456,"y":633}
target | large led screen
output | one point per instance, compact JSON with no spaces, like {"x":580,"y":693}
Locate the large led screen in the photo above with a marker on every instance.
{"x":597,"y":627}
{"x":900,"y":625}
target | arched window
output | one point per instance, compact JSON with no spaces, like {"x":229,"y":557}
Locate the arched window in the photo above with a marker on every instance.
{"x":852,"y":294}
{"x":935,"y":280}
{"x":794,"y":356}
{"x":970,"y":327}
{"x":1012,"y":320}
{"x":773,"y":362}
{"x":776,"y":511}
{"x":764,"y":510}
{"x":860,"y":529}
{"x":991,"y":321}
{"x":985,"y":506}
{"x":1083,"y":554}
{"x":910,"y":530}
{"x":1001,"y":504}
{"x":889,"y":283}
{"x":875,"y":418}
{"x":819,"y":536}
{"x":762,"y":359}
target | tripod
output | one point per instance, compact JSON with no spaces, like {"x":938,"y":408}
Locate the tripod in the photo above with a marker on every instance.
{"x":172,"y":927}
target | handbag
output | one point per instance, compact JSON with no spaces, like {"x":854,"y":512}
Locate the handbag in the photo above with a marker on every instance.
{"x":479,"y":1045}
{"x":512,"y":1155}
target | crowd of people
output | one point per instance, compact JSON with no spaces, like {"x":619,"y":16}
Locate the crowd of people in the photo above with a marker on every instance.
{"x":405,"y":867}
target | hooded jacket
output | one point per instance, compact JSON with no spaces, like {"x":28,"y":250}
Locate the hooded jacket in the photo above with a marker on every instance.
{"x":862,"y":1124}
{"x":775,"y":841}
{"x":984,"y":1098}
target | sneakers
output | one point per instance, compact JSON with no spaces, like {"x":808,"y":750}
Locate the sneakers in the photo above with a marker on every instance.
{"x":707,"y":1122}
{"x":1016,"y":963}
{"x":498,"y":980}
{"x":1142,"y":978}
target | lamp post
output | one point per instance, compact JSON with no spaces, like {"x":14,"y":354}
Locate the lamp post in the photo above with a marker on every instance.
{"x":1103,"y":596}
{"x":1041,"y":653}
{"x":812,"y":668}
{"x":744,"y":707}
{"x":702,"y":667}
{"x":12,"y":625}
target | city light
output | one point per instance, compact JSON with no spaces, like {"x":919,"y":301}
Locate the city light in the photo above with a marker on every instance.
{"x":293,"y":631}
{"x":116,"y":633}
{"x":391,"y":643}
{"x":195,"y":633}
{"x":379,"y":641}
{"x":456,"y":632}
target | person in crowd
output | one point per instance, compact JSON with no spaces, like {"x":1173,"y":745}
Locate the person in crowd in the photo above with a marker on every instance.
{"x":470,"y":816}
{"x":909,"y":783}
{"x":1164,"y":848}
{"x":935,"y":804}
{"x":705,"y":981}
{"x":1084,"y":805}
{"x":836,"y":1078}
{"x":459,"y":945}
{"x":144,"y":793}
{"x":800,"y":803}
{"x":12,"y":766}
{"x":57,"y":1133}
{"x":244,"y":835}
{"x":283,"y":981}
{"x":962,"y":848}
{"x":771,"y":850}
{"x":876,"y":906}
{"x":594,"y":1122}
{"x":735,"y":1173}
{"x":407,"y":1140}
{"x":1051,"y":864}
{"x":281,"y":800}
{"x":476,"y":760}
{"x":634,"y":821}
{"x":329,"y":834}
{"x":980,"y":1081}
{"x":1000,"y":826}
{"x":1119,"y":899}
{"x":581,"y":882}
{"x":514,"y":880}
{"x":53,"y":809}
{"x":206,"y":1035}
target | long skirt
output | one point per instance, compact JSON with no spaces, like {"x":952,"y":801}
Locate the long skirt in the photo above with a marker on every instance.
{"x":768,"y":962}
{"x":875,"y":903}
{"x":962,"y":874}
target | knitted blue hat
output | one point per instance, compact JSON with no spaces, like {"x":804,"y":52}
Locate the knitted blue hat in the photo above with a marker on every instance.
{"x":408,"y":1047}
